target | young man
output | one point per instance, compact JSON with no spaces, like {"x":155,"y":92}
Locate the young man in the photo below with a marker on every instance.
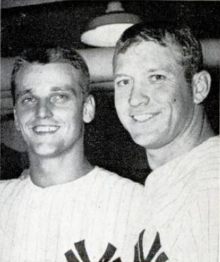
{"x":62,"y":208}
{"x":160,"y":87}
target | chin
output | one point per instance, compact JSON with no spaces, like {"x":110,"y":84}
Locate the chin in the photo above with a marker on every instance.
{"x":143,"y":142}
{"x":45,"y":151}
{"x":147,"y":142}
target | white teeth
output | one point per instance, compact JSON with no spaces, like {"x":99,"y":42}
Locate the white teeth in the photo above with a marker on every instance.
{"x":142,"y":118}
{"x":45,"y":129}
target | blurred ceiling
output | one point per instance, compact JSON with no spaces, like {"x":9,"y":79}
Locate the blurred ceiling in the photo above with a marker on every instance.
{"x":28,"y":23}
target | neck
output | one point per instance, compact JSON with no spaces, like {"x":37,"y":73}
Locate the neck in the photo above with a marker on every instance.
{"x":49,"y":171}
{"x":192,"y":137}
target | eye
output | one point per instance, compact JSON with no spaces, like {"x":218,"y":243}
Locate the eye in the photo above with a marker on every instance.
{"x":28,"y":100}
{"x":123,"y":82}
{"x":59,"y":98}
{"x":157,"y":77}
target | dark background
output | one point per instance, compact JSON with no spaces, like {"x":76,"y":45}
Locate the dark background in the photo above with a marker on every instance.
{"x":107,"y":143}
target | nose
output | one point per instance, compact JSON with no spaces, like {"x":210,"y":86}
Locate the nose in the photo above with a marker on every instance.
{"x":44,"y":110}
{"x":138,"y":96}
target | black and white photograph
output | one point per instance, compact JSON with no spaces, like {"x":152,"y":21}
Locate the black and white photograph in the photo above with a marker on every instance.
{"x":110,"y":148}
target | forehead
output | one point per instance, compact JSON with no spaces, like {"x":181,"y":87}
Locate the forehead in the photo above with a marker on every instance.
{"x":54,"y":74}
{"x":148,"y":55}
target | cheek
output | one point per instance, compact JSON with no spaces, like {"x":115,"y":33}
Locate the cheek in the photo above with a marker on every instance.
{"x":23,"y":117}
{"x":180,"y":108}
{"x":117,"y":101}
{"x":70,"y":115}
{"x":184,"y":101}
{"x":174,"y":97}
{"x":167,"y":99}
{"x":121,"y":109}
{"x":121,"y":98}
{"x":168,"y":91}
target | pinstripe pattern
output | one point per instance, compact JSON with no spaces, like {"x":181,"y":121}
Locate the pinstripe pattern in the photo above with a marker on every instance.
{"x":43,"y":224}
{"x":182,"y":198}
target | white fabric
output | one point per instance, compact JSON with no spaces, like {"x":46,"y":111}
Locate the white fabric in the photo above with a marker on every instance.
{"x":40,"y":225}
{"x":182,"y":203}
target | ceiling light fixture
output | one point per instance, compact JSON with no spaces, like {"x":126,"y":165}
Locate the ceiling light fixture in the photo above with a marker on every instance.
{"x":105,"y":30}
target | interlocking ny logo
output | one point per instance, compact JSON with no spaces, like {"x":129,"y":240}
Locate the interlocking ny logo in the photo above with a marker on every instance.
{"x":155,"y":254}
{"x":81,"y":250}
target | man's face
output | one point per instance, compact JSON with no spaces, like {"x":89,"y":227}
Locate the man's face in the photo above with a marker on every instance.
{"x":152,"y":97}
{"x":49,"y":108}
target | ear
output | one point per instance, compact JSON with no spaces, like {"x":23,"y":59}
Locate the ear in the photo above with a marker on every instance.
{"x":89,"y":109}
{"x":201,"y":84}
{"x":16,"y":120}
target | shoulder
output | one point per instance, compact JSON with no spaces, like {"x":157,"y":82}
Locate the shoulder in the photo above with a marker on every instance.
{"x":110,"y":181}
{"x":203,"y":157}
{"x":8,"y":184}
{"x":7,"y":188}
{"x":192,"y":171}
{"x":199,"y":155}
{"x":115,"y":178}
{"x":206,"y":165}
{"x":121,"y":195}
{"x":208,"y":149}
{"x":12,"y":186}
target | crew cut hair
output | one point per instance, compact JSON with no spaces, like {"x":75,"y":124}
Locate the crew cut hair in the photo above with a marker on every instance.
{"x":48,"y":56}
{"x":165,"y":35}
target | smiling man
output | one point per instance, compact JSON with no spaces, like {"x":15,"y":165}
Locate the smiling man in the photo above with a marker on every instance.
{"x":62,"y":208}
{"x":160,"y":86}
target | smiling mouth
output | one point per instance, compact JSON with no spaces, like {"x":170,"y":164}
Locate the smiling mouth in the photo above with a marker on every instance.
{"x":43,"y":130}
{"x":144,"y":117}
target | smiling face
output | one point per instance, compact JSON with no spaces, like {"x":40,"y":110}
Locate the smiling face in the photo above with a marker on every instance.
{"x":50,"y":110}
{"x":152,"y":98}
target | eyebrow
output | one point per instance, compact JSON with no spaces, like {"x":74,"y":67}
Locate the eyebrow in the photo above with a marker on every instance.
{"x":22,"y":93}
{"x":53,"y":89}
{"x":67,"y":88}
{"x":158,"y":69}
{"x":121,"y":75}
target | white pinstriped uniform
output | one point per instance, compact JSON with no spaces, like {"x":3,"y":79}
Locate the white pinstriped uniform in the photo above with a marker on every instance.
{"x":182,"y":200}
{"x":40,"y":225}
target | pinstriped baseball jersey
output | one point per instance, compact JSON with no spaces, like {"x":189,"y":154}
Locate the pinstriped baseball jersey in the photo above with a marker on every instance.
{"x":182,"y":203}
{"x":94,"y":218}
